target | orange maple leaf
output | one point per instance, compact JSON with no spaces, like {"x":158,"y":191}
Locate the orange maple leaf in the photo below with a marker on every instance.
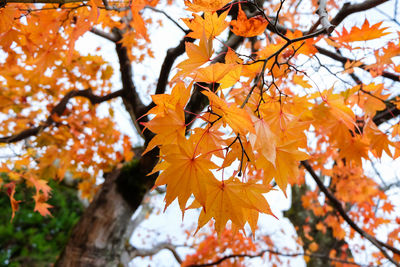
{"x":236,"y":118}
{"x":167,"y":127}
{"x":286,"y":166}
{"x":41,"y":206}
{"x":198,"y":55}
{"x":212,"y":25}
{"x":263,"y":140}
{"x":248,"y":27}
{"x":213,"y":73}
{"x":185,"y":172}
{"x":365,"y":33}
{"x":230,"y":200}
{"x":205,"y":5}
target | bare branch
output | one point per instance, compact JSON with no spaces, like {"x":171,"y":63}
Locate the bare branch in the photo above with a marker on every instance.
{"x":349,"y":9}
{"x":343,"y":13}
{"x":59,"y":109}
{"x":107,"y":35}
{"x":167,"y":16}
{"x":343,"y":60}
{"x":172,"y":55}
{"x":132,"y":102}
{"x":135,"y":252}
{"x":260,"y":254}
{"x":339,"y":208}
{"x":323,"y":17}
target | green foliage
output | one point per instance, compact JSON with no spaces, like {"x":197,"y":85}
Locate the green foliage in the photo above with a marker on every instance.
{"x":33,"y":240}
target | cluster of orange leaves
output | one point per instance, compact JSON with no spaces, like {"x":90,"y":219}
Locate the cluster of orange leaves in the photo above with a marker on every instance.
{"x":262,"y":134}
{"x":255,"y":129}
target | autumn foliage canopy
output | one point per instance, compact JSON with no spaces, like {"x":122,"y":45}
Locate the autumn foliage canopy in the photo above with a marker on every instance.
{"x":266,"y":97}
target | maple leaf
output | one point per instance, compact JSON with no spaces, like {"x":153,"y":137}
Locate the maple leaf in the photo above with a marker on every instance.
{"x":263,"y":140}
{"x":365,"y":33}
{"x":7,"y":16}
{"x":214,"y":73}
{"x":373,"y":99}
{"x":83,"y":24}
{"x":379,"y":141}
{"x":168,"y":127}
{"x":285,"y":168}
{"x":235,"y":117}
{"x":248,"y":27}
{"x":388,"y":207}
{"x":297,"y":79}
{"x":40,"y":205}
{"x":138,"y":23}
{"x":14,"y":203}
{"x":185,"y":172}
{"x":205,"y":5}
{"x":211,"y":25}
{"x":354,"y":149}
{"x":198,"y":55}
{"x":209,"y":140}
{"x":176,"y":100}
{"x":229,"y":200}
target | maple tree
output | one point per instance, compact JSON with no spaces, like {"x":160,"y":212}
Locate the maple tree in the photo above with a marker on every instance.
{"x":267,"y":98}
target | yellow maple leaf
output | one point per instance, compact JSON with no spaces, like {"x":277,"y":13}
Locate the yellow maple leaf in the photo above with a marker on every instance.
{"x":185,"y":172}
{"x":167,"y":127}
{"x":263,"y":140}
{"x":213,"y":73}
{"x":236,"y":118}
{"x":198,"y":55}
{"x":297,"y":79}
{"x":212,"y":25}
{"x":231,"y":200}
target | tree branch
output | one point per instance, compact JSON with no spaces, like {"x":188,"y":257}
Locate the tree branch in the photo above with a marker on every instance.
{"x":107,"y":35}
{"x":343,"y":60}
{"x":58,"y":110}
{"x":339,"y":208}
{"x":323,"y":17}
{"x":132,"y":102}
{"x":344,"y":12}
{"x":135,"y":252}
{"x":349,"y":9}
{"x":172,"y":55}
{"x":167,"y":16}
{"x":260,"y":254}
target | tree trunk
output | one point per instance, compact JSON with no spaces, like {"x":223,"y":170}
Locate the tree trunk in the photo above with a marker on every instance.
{"x":100,"y":236}
{"x":300,"y":217}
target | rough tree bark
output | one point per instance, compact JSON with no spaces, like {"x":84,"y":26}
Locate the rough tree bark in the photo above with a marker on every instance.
{"x":100,"y":236}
